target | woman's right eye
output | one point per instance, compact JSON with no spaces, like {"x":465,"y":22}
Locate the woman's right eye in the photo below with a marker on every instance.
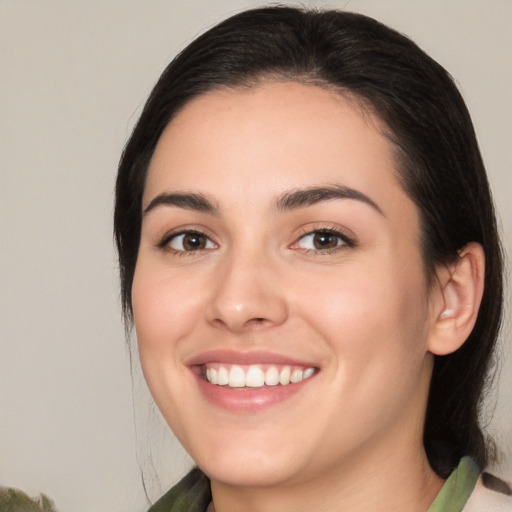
{"x":188,"y":242}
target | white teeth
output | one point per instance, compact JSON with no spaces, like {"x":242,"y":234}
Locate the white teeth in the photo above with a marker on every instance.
{"x":222,"y":377}
{"x":308,"y":372}
{"x":272,"y":376}
{"x":211,"y":375}
{"x":284,"y":376}
{"x":296,"y":376}
{"x":256,"y":377}
{"x":236,"y":377}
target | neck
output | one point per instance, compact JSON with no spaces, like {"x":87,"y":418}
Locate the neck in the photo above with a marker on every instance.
{"x":392,"y":480}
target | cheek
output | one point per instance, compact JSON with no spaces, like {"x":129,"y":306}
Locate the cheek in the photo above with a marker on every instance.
{"x":371,"y":315}
{"x":165,"y":309}
{"x":374,"y":325}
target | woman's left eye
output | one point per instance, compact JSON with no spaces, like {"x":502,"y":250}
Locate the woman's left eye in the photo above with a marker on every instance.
{"x":322,"y":240}
{"x":189,"y":241}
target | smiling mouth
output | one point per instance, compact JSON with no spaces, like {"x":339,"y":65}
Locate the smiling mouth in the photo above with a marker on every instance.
{"x":254,"y":376}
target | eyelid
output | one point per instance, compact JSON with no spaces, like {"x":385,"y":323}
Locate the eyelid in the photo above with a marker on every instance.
{"x":348,"y":240}
{"x":163,"y":241}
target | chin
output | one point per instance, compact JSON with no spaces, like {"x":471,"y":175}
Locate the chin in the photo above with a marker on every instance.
{"x":247,"y":474}
{"x":251,"y":467}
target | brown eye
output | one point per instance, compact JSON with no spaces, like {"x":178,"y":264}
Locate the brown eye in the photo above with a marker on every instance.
{"x":320,"y":241}
{"x":325,"y":241}
{"x":190,"y":241}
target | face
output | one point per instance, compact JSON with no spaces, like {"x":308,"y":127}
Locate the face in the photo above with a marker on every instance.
{"x":279,"y":297}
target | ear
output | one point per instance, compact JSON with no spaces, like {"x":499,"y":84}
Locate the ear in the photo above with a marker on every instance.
{"x":457,"y":301}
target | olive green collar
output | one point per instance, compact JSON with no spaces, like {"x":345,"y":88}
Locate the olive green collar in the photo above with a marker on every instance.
{"x":458,"y":488}
{"x":191,"y":494}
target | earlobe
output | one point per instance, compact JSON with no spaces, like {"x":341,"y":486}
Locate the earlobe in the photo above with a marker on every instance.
{"x":456,"y":310}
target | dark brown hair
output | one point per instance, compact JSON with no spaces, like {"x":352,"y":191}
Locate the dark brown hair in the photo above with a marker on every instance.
{"x":438,"y":161}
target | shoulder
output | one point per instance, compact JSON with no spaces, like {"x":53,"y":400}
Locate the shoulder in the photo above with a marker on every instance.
{"x":485,"y":499}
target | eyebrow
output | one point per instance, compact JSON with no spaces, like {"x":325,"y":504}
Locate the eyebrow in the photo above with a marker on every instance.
{"x":309,"y":196}
{"x":189,"y":201}
{"x":292,"y":200}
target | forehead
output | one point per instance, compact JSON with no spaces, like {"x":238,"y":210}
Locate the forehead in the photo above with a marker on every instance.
{"x":271,"y":138}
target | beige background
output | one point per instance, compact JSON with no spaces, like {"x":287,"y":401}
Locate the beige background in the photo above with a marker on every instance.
{"x":74,"y":75}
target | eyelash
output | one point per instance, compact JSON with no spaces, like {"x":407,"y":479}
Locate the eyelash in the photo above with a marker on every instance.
{"x":164,"y":244}
{"x":346,"y":241}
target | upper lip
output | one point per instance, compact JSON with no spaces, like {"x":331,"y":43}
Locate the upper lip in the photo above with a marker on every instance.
{"x":247,"y":357}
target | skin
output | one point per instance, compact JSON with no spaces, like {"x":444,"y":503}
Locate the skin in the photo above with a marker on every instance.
{"x":361,"y":313}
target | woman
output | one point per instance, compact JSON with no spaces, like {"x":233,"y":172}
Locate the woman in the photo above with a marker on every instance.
{"x":308,"y":252}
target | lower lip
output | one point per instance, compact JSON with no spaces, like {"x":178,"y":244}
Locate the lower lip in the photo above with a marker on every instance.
{"x":248,"y":399}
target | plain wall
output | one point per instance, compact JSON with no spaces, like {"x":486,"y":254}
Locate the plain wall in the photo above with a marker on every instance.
{"x":74,"y":75}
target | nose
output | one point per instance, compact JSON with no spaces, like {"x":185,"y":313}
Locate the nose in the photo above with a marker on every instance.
{"x":247,"y":294}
